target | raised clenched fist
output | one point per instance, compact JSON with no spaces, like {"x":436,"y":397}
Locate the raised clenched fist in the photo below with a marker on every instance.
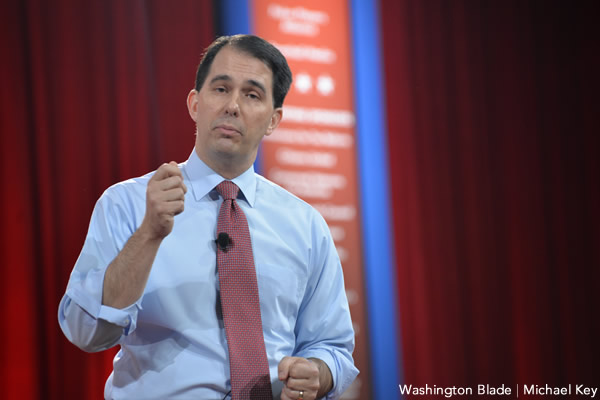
{"x":164,"y":200}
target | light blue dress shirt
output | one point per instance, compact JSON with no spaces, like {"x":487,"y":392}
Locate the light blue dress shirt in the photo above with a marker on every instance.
{"x":172,"y":339}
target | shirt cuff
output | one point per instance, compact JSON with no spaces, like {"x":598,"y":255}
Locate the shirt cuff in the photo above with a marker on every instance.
{"x":89,"y":298}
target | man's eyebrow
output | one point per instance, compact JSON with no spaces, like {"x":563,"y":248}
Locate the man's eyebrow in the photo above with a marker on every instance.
{"x":257,"y":84}
{"x":220,"y":78}
{"x":251,"y":82}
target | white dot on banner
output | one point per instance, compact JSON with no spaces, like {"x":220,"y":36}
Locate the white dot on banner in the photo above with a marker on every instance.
{"x":303,"y":83}
{"x":325,"y":85}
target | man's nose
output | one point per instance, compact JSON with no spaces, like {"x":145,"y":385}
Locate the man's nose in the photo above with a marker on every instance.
{"x":232,"y":107}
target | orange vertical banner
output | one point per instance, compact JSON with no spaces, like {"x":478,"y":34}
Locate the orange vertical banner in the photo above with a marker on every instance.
{"x":312,"y":153}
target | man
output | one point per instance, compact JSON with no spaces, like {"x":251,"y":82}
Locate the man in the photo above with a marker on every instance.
{"x":148,"y":279}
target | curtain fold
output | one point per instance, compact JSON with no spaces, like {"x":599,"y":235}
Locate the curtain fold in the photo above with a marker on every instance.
{"x":492,"y":114}
{"x":91,"y":93}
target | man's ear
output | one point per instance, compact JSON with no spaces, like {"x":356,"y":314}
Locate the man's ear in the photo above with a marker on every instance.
{"x":192,"y":104}
{"x":275,"y":120}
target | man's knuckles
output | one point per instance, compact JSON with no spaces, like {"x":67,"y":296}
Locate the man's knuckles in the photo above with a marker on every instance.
{"x":166,"y":171}
{"x":303,"y":368}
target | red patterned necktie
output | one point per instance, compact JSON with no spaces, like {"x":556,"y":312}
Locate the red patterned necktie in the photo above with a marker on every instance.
{"x":250,"y":377}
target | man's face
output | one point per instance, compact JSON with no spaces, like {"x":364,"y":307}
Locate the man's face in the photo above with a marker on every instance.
{"x":233,"y":111}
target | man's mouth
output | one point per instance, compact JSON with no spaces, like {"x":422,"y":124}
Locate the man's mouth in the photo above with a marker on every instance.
{"x":229,"y":130}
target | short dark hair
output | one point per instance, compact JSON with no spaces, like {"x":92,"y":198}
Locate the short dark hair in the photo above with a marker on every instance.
{"x":257,"y":48}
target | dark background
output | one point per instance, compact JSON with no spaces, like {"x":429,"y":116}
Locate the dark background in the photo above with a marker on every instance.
{"x":493,"y":131}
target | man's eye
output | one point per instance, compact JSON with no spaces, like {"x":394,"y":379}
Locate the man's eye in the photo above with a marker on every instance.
{"x":220,"y":89}
{"x":253,"y":96}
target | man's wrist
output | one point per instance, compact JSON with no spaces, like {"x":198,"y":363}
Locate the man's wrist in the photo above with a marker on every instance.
{"x":147,"y":235}
{"x":325,"y":377}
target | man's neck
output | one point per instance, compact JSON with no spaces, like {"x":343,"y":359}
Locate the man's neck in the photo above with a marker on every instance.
{"x":228,"y":168}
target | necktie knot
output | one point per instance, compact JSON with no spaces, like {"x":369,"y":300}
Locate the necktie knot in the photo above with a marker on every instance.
{"x":228,"y":190}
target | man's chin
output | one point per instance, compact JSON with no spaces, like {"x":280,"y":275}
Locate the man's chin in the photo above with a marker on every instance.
{"x":226,"y":148}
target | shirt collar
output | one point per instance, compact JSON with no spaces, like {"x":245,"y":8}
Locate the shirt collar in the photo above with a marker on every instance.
{"x":203,"y":179}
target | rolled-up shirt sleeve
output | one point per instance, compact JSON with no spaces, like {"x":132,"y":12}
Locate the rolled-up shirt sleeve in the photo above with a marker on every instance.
{"x":324,"y":328}
{"x":85,"y":321}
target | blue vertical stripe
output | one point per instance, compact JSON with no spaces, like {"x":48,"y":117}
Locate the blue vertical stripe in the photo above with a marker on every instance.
{"x":235,"y":17}
{"x":375,"y":205}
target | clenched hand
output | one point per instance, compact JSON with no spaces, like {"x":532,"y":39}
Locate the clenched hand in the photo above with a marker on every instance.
{"x":164,"y":200}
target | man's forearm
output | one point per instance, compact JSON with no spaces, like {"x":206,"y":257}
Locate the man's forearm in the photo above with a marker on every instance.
{"x":127,"y":274}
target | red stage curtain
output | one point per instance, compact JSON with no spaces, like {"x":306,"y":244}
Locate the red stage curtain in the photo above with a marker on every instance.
{"x":91,"y":93}
{"x":493,"y":135}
